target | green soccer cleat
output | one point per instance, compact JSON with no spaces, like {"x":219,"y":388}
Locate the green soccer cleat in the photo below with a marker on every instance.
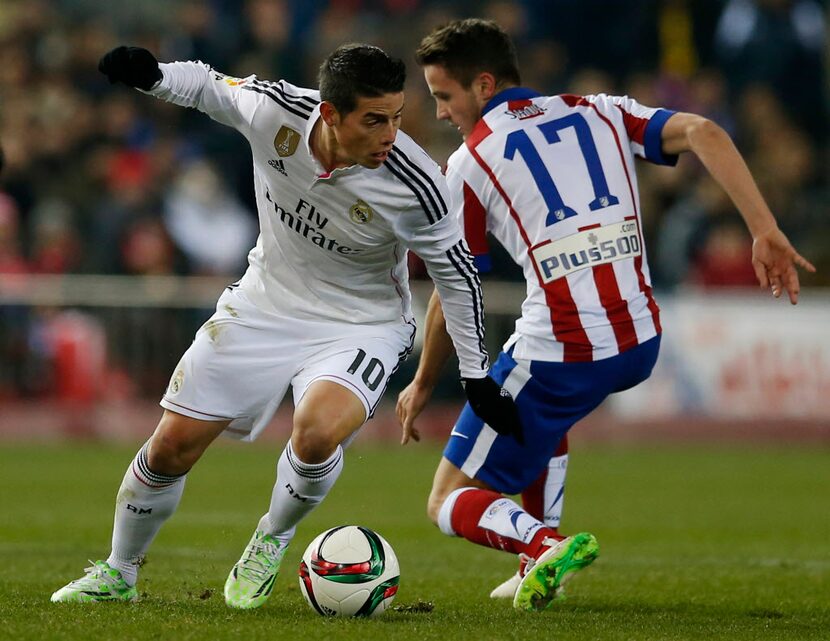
{"x":101,"y":583}
{"x":543,"y":580}
{"x":252,"y":578}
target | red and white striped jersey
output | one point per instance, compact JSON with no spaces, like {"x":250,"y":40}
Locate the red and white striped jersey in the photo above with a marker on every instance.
{"x":552,"y":178}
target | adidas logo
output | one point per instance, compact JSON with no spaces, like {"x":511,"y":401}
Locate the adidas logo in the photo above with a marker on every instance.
{"x":279,"y":165}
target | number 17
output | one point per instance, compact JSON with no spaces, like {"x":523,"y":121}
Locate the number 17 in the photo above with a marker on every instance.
{"x":557,"y":209}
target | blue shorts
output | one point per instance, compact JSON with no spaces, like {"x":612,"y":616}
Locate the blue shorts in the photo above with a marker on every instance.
{"x":551,"y":398}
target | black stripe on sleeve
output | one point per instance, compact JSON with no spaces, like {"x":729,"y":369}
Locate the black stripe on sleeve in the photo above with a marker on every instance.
{"x":295,"y":99}
{"x":396,"y":171}
{"x":267,"y":92}
{"x":436,"y":212}
{"x":462,"y":261}
{"x":429,"y":182}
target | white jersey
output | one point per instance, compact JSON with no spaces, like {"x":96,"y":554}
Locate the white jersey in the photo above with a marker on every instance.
{"x":552,"y":178}
{"x":333,"y":245}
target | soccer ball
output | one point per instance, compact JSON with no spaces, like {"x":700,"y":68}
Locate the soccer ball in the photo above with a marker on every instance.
{"x":349,"y":571}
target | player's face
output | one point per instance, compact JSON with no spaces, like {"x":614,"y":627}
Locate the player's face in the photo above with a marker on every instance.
{"x":460,"y":106}
{"x":365,"y":135}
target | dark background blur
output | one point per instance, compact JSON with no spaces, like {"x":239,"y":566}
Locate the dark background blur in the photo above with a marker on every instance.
{"x":99,"y":179}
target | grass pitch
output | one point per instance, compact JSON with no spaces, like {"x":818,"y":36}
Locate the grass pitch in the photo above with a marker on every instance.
{"x":696,"y":543}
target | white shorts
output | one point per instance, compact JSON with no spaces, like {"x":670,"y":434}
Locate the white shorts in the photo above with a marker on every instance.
{"x":243,"y":359}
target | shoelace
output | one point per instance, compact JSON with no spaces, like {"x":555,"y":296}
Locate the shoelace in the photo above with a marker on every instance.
{"x":97,"y":573}
{"x":253,"y":567}
{"x":529,"y":561}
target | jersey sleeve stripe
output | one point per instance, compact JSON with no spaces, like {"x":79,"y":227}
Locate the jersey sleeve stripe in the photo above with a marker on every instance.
{"x":401,"y":173}
{"x":463,"y":263}
{"x":653,"y":142}
{"x":281,"y":103}
{"x":294,"y":98}
{"x":439,"y":207}
{"x":429,"y":183}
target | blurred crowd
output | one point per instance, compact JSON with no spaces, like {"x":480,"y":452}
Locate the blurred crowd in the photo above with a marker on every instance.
{"x":101,"y":179}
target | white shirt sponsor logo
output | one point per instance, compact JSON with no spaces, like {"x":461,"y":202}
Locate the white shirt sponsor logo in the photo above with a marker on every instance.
{"x":598,"y":246}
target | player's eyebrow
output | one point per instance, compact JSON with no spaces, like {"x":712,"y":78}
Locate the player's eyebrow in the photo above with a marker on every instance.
{"x":371,"y":115}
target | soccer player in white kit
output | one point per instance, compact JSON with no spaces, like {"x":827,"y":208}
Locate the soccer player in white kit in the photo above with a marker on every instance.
{"x":552,"y":178}
{"x":324,"y":305}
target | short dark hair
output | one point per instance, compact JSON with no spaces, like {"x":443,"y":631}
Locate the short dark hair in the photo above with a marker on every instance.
{"x":358,"y":70}
{"x":466,"y":48}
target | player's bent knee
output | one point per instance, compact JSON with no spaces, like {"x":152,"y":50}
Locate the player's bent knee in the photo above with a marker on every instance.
{"x":313,"y":445}
{"x":168,"y":455}
{"x":179,"y":442}
{"x":434,"y":503}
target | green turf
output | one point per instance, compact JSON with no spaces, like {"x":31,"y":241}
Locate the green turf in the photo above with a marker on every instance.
{"x":696,"y":543}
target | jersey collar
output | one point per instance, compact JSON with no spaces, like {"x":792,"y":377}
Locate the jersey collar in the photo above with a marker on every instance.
{"x":511,"y":93}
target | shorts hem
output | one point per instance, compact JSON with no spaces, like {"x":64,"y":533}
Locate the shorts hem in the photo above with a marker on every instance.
{"x":167,"y":404}
{"x":349,"y":386}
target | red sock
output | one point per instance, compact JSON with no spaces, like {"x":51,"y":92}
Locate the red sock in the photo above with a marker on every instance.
{"x":512,"y":529}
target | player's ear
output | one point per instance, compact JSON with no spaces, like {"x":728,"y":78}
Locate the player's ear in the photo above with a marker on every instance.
{"x":484,"y":86}
{"x":329,"y":114}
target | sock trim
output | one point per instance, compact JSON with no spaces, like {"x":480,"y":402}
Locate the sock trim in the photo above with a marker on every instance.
{"x":313,"y":472}
{"x":445,"y":513}
{"x":143,"y":473}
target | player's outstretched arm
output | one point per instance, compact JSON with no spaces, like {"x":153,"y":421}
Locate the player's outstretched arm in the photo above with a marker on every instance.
{"x":487,"y":399}
{"x":134,"y":66}
{"x":773,"y":257}
{"x":436,"y":350}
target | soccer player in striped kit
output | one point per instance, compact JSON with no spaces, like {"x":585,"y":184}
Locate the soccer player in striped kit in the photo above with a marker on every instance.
{"x":552,"y":178}
{"x":324,"y":305}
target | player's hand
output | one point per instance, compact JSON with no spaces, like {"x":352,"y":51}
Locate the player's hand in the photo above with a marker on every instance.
{"x":495,"y":406}
{"x":774,"y":260}
{"x":410,"y":403}
{"x":134,"y":66}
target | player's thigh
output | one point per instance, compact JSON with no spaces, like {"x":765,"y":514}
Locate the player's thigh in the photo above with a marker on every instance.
{"x":358,"y":361}
{"x":237,"y":369}
{"x":325,"y":417}
{"x":547,"y":408}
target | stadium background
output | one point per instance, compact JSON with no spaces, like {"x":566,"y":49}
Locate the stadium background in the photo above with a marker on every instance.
{"x":122,"y":218}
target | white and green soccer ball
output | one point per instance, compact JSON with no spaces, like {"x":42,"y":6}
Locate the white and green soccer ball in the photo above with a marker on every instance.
{"x":349,"y":571}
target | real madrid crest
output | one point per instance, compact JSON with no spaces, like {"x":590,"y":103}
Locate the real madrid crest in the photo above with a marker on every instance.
{"x":176,"y":382}
{"x":360,"y":213}
{"x":286,"y":141}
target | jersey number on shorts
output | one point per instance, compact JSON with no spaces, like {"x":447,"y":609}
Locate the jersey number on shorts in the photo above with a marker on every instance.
{"x":373,"y":372}
{"x":557,"y":209}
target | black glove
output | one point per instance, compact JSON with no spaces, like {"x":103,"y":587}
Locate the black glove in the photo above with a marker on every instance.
{"x":134,"y":66}
{"x":494,"y":405}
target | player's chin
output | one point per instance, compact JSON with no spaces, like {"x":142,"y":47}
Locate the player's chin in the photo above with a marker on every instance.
{"x":374,"y":161}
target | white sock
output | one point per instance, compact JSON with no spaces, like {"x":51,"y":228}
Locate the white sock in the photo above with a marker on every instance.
{"x":300,"y":487}
{"x":554,"y":493}
{"x":145,"y":501}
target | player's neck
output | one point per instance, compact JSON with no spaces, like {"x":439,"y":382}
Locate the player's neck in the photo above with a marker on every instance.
{"x":325,"y":148}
